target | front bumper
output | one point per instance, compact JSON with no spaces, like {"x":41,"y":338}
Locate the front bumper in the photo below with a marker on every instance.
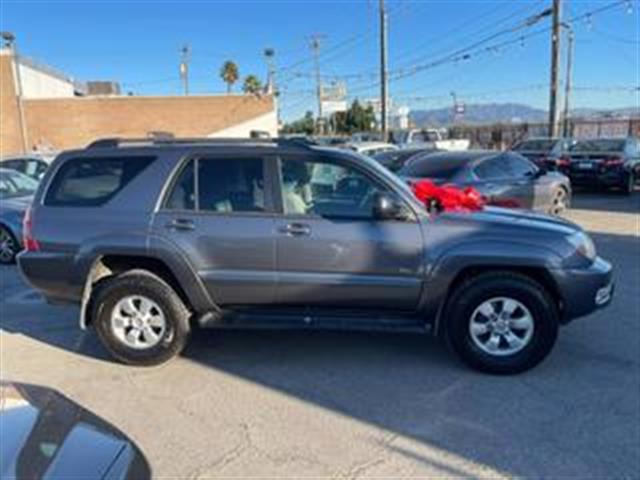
{"x":584,"y":290}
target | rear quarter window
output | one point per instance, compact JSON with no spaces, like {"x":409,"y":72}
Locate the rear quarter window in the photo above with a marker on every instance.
{"x":91,"y":182}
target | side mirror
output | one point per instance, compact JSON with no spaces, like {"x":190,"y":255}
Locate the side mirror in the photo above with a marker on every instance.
{"x":387,"y":206}
{"x":541,"y":171}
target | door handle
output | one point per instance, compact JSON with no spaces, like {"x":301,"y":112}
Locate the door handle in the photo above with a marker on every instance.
{"x":295,"y":230}
{"x":180,"y":224}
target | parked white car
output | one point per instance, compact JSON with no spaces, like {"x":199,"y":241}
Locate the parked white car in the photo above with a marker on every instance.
{"x":371,"y":148}
{"x":429,"y":138}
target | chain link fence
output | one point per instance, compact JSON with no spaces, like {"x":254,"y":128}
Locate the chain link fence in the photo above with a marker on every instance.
{"x":502,"y":136}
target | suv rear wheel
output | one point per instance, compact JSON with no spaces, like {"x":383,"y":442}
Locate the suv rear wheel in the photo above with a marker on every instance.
{"x":502,"y":323}
{"x":140,"y":319}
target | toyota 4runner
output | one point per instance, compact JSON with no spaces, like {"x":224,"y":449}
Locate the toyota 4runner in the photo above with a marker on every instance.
{"x":153,"y":238}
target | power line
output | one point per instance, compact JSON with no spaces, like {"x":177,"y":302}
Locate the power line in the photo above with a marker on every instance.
{"x":467,"y":53}
{"x":371,"y":73}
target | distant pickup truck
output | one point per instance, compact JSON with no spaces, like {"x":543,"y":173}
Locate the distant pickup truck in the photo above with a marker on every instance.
{"x":429,"y":138}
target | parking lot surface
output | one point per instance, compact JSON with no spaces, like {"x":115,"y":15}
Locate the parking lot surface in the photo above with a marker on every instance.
{"x":348,"y":405}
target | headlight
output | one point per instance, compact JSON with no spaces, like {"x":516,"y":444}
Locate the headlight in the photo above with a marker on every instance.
{"x":583,"y":244}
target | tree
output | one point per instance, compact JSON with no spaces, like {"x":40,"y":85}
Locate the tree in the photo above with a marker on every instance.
{"x":304,"y":125}
{"x":252,"y":85}
{"x":229,"y":74}
{"x":355,"y":119}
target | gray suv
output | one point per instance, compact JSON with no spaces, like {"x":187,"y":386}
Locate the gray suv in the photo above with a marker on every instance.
{"x":154,"y":238}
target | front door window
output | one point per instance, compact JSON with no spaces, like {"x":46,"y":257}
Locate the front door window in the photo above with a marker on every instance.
{"x":327,"y":190}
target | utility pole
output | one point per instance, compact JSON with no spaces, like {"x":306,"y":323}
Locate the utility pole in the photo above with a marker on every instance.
{"x":315,"y":46}
{"x":10,"y":41}
{"x":555,"y":60}
{"x":184,"y":67}
{"x":568,"y":81}
{"x":383,"y":72}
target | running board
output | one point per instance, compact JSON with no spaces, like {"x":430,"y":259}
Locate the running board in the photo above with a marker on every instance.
{"x":281,"y":320}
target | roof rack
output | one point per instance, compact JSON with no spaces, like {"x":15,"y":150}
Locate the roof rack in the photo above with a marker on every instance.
{"x":117,"y":142}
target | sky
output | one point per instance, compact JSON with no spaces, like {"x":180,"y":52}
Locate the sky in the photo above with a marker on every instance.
{"x":138,"y":44}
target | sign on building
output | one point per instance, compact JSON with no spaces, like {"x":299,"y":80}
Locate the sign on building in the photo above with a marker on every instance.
{"x":333,"y":98}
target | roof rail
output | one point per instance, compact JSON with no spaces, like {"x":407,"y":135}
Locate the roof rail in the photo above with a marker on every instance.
{"x":117,"y":142}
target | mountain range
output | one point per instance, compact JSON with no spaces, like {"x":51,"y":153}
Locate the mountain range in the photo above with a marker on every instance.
{"x":507,"y":113}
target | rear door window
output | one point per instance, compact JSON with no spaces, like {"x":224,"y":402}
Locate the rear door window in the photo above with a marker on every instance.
{"x":492,"y":169}
{"x":91,"y":182}
{"x":183,"y":194}
{"x":231,"y":185}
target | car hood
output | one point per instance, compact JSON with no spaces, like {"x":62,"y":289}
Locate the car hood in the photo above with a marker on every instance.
{"x":510,"y":219}
{"x":16,"y":203}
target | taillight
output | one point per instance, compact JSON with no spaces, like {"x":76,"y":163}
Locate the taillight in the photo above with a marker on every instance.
{"x":564,"y":161}
{"x":614,"y":162}
{"x":29,"y":242}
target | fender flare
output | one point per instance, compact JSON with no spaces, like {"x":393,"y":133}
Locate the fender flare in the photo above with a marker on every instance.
{"x":445,"y":270}
{"x":90,"y":267}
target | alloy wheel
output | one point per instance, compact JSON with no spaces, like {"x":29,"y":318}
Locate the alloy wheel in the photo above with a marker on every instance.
{"x":501,"y":326}
{"x":138,"y":322}
{"x":7,"y":246}
{"x":559,"y":202}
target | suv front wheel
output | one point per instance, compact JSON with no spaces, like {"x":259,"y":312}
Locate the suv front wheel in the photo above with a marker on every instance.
{"x":140,"y":319}
{"x":501,"y":322}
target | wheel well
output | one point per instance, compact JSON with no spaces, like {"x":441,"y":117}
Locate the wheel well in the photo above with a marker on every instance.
{"x":537,"y":274}
{"x":110,"y":265}
{"x":7,"y":228}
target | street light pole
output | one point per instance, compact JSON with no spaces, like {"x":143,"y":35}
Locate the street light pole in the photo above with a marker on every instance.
{"x":383,"y":72}
{"x":269,"y":53}
{"x":568,"y":81}
{"x":10,"y":41}
{"x":315,"y":46}
{"x":184,"y":68}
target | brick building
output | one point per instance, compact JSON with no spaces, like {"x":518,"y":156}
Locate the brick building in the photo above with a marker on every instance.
{"x":41,"y":109}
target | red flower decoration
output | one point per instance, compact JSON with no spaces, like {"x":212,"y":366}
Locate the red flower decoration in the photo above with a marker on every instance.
{"x":447,"y":198}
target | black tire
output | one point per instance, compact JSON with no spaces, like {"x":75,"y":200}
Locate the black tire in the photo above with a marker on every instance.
{"x":10,"y":242}
{"x":143,"y":283}
{"x":559,"y":202}
{"x":477,"y":290}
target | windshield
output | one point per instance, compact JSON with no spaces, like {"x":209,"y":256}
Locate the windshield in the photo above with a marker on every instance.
{"x":540,"y":145}
{"x":15,"y":184}
{"x":600,"y":145}
{"x":399,"y":183}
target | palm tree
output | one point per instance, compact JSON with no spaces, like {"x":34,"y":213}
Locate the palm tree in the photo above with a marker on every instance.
{"x":229,"y":74}
{"x":252,"y":85}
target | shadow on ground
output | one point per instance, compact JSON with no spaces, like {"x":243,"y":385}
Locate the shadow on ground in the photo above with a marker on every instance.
{"x":571,"y":416}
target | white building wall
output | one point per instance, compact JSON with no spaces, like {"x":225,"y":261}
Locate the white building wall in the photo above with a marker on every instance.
{"x":267,"y":122}
{"x":39,"y":84}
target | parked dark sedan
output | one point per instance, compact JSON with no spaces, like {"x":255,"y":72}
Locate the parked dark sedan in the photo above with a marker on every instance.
{"x":394,"y":160}
{"x":505,"y":179}
{"x":544,"y":151}
{"x":16,"y":192}
{"x":604,"y":162}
